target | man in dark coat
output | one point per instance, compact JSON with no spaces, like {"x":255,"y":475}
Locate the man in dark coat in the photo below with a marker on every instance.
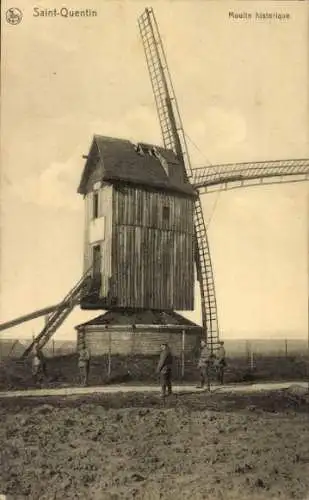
{"x":84,"y":365}
{"x":220,"y":362}
{"x":38,"y":364}
{"x":204,"y":364}
{"x":164,"y":369}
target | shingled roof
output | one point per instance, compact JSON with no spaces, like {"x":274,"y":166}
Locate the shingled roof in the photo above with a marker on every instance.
{"x":119,"y":160}
{"x":145,"y":317}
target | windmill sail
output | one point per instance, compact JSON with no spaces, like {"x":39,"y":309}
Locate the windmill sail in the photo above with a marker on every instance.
{"x":174,"y":138}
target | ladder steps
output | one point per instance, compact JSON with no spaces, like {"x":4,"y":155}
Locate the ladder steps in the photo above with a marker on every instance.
{"x":57,"y":318}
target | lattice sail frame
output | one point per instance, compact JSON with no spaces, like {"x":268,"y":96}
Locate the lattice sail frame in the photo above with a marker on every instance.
{"x":236,"y":175}
{"x":174,"y":138}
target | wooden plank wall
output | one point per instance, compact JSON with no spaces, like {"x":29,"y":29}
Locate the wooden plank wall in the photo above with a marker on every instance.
{"x":145,"y":342}
{"x":105,"y":210}
{"x":139,"y":207}
{"x":152,"y":258}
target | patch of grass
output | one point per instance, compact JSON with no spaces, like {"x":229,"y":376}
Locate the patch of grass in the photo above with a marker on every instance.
{"x":63,"y":370}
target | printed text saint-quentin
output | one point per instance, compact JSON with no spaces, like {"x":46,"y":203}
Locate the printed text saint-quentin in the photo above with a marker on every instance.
{"x":63,"y":12}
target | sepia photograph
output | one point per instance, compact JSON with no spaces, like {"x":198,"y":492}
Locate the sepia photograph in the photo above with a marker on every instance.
{"x":154,"y":225}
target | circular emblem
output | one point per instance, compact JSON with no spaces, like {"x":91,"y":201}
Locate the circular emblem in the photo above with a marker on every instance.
{"x":14,"y":15}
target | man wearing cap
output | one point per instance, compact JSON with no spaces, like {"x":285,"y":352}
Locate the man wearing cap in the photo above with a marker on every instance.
{"x":164,"y":369}
{"x":204,"y":364}
{"x":220,"y":362}
{"x":38,"y":364}
{"x":83,"y":365}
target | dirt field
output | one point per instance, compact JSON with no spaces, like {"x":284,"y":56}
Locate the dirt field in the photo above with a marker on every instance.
{"x":133,"y":446}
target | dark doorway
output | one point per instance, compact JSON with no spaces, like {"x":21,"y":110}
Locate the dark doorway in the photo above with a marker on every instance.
{"x":96,"y":271}
{"x":96,"y":259}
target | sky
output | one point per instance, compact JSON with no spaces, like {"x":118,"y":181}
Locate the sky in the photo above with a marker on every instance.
{"x":242,"y":92}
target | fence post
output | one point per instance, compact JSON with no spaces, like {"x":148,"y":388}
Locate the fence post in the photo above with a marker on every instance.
{"x":251,"y":360}
{"x":109,"y":368}
{"x":250,"y":355}
{"x":286,"y":348}
{"x":248,"y":352}
{"x":183,"y":353}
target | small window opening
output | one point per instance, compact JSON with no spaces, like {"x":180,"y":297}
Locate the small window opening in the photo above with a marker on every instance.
{"x":95,"y":207}
{"x":166,"y":213}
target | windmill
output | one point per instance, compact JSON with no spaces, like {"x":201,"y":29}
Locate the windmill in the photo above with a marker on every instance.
{"x":98,"y":275}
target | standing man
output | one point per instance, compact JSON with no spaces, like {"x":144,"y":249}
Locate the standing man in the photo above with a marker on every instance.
{"x":204,"y":364}
{"x":221,"y":362}
{"x":83,"y":365}
{"x":38,"y":364}
{"x":164,"y":369}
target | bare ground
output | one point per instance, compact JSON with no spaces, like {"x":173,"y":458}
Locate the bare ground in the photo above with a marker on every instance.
{"x":133,"y":446}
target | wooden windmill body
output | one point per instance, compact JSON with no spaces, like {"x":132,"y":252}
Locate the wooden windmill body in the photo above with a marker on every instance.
{"x":139,"y":231}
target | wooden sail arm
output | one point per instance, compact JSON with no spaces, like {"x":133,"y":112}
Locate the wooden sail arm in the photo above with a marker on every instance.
{"x":29,"y":317}
{"x":221,"y":175}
